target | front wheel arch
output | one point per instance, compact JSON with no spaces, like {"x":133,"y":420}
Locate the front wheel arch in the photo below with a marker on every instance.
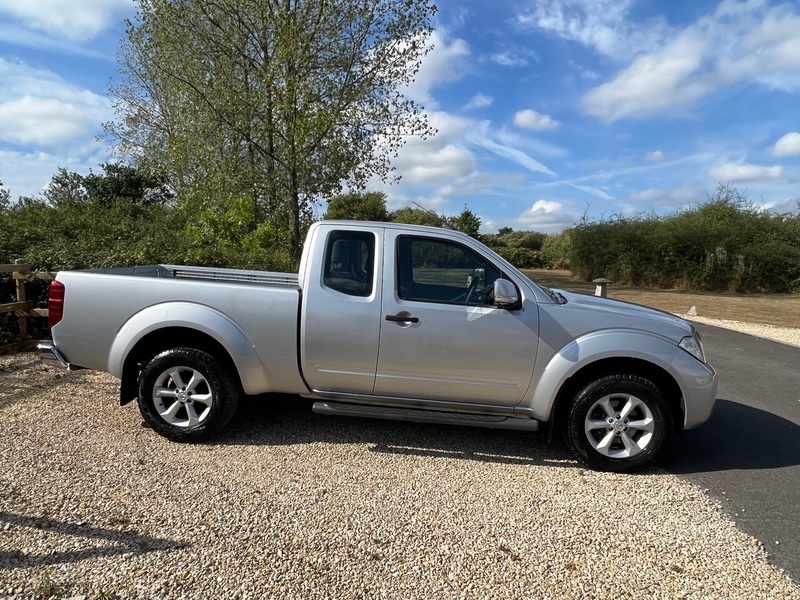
{"x":578,"y":380}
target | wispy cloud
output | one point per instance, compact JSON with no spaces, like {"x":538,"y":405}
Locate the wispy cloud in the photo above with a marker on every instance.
{"x":603,"y":25}
{"x":66,"y":19}
{"x":739,"y":41}
{"x":482,"y":136}
{"x":479,"y":101}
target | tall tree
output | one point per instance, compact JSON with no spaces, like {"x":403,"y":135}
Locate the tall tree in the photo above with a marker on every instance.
{"x":278,"y":102}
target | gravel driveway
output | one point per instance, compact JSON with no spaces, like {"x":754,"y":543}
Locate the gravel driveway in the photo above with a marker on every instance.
{"x":288,"y":504}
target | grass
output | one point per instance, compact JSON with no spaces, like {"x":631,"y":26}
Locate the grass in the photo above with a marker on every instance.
{"x":771,"y":309}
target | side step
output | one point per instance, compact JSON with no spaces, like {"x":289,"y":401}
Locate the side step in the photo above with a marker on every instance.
{"x":424,"y":416}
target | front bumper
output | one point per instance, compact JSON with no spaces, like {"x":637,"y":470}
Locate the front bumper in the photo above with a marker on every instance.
{"x":698,"y":382}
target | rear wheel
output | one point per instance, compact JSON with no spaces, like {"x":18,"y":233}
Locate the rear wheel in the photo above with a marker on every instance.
{"x":619,"y":423}
{"x":186,"y":395}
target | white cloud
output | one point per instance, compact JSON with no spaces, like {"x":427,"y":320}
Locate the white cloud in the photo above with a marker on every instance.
{"x":654,"y":157}
{"x":479,"y":101}
{"x":48,"y":123}
{"x":788,"y":205}
{"x":439,"y":158}
{"x":509,"y":59}
{"x":28,"y":173}
{"x":600,"y":24}
{"x":530,"y":119}
{"x":38,"y":107}
{"x":42,"y":121}
{"x":737,"y":173}
{"x":652,"y":83}
{"x":788,"y":145}
{"x":739,"y":42}
{"x":448,"y":162}
{"x":67,"y":18}
{"x":445,"y":64}
{"x":547,"y":216}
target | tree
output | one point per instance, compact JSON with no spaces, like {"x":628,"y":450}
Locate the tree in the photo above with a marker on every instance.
{"x":5,"y":198}
{"x":467,"y":222}
{"x":370,"y":206}
{"x":417,"y":216}
{"x":279,"y":102}
{"x":65,"y":187}
{"x":125,"y":182}
{"x":117,"y":182}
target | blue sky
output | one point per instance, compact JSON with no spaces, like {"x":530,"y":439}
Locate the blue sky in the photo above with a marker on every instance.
{"x":546,"y":110}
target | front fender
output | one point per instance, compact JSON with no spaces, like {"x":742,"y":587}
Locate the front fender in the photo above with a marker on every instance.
{"x":599,"y":345}
{"x":198,"y":317}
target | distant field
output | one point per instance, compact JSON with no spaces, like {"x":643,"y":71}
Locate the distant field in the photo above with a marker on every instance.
{"x":781,"y":310}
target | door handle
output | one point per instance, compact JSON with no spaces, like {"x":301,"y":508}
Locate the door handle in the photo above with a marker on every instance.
{"x":402,"y":317}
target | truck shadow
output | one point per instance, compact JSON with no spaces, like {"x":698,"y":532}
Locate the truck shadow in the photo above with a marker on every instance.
{"x":285,"y":419}
{"x":736,"y":437}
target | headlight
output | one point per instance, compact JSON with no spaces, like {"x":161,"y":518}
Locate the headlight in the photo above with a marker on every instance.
{"x":694,"y":346}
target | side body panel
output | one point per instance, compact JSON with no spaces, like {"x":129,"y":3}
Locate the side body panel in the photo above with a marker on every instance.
{"x":105,"y":315}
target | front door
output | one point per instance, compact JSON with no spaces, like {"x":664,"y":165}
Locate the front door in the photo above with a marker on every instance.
{"x":440,"y":337}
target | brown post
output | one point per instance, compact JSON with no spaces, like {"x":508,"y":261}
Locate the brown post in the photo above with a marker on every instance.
{"x":19,"y":280}
{"x":600,"y":287}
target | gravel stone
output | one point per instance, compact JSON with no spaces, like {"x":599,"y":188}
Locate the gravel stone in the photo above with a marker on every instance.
{"x":289,"y":504}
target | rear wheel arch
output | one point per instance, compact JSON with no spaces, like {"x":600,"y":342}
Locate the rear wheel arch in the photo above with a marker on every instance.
{"x":187,"y":394}
{"x":156,"y":342}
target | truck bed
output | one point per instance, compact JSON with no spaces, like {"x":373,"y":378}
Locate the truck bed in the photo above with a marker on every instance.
{"x":220,"y":275}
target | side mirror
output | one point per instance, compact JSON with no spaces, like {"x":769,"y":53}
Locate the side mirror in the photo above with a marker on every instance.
{"x":505,"y":294}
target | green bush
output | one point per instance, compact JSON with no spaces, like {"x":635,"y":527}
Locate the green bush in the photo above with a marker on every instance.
{"x":726,"y":243}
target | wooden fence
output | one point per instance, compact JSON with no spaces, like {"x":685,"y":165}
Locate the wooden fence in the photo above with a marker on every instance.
{"x":23,"y":308}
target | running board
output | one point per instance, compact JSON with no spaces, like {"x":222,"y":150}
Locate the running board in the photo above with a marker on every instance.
{"x":424,"y":416}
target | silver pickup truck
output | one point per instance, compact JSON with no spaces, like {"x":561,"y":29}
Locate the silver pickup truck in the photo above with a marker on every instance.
{"x":388,"y":321}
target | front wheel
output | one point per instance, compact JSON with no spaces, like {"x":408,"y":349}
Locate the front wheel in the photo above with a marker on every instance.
{"x":185,"y":395}
{"x":618,"y":423}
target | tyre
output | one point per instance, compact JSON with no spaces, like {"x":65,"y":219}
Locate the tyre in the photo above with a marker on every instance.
{"x":618,"y":423}
{"x":186,"y":395}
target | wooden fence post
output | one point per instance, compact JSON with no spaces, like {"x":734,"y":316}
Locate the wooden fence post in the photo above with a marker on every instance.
{"x":19,"y":280}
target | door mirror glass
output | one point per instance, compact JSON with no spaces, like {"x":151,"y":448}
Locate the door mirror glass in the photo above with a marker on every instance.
{"x":505,"y":294}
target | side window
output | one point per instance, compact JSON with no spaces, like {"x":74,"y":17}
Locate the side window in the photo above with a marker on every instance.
{"x":439,"y":271}
{"x":349,"y":259}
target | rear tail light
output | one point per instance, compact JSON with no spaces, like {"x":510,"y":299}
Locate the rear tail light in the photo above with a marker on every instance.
{"x":55,"y":303}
